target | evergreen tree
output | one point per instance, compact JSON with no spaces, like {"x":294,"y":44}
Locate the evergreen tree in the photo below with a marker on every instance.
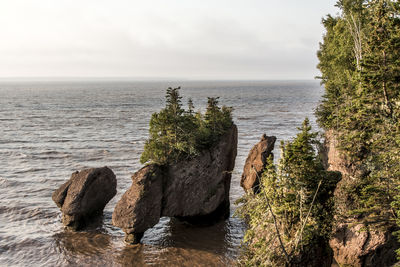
{"x":361,"y":102}
{"x":293,"y":211}
{"x":178,"y":134}
{"x":212,"y":116}
{"x":217,"y":119}
{"x":190,"y":106}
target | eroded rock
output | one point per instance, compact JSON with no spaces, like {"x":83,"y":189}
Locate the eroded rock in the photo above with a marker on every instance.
{"x":140,"y":206}
{"x":355,"y":245}
{"x":195,"y":190}
{"x":85,"y":195}
{"x":256,"y":161}
{"x":352,"y":242}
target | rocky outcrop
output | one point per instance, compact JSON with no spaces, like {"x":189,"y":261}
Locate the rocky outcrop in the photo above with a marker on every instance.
{"x":352,"y":242}
{"x":195,"y":190}
{"x":85,"y":195}
{"x":354,"y":246}
{"x":256,"y":161}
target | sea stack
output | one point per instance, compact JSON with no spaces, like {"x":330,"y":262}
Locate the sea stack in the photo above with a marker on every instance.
{"x":256,"y":161}
{"x":84,"y":196}
{"x":194,"y":190}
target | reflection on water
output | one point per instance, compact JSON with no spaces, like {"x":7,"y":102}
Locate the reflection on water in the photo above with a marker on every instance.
{"x":145,"y":255}
{"x":76,"y":247}
{"x":170,"y":243}
{"x":49,"y":130}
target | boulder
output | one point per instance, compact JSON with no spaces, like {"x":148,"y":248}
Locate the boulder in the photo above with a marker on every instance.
{"x":256,"y":161}
{"x":85,"y":195}
{"x":354,"y":243}
{"x":195,"y":190}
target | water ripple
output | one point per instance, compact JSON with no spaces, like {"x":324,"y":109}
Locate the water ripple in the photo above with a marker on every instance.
{"x":50,"y":130}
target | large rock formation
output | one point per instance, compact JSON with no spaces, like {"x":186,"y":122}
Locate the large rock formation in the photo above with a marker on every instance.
{"x":85,"y":195}
{"x":195,"y":190}
{"x":352,"y":242}
{"x":256,"y":161}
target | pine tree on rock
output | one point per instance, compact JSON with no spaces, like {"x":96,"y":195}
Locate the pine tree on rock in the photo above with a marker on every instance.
{"x":177,"y":134}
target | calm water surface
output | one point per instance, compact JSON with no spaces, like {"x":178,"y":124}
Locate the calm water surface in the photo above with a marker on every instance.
{"x":50,"y":129}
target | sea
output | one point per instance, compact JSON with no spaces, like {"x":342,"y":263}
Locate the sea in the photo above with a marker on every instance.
{"x":49,"y":129}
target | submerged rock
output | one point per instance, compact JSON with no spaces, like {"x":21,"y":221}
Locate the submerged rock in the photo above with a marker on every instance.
{"x":256,"y":161}
{"x":195,"y":190}
{"x":85,"y":195}
{"x":352,"y":242}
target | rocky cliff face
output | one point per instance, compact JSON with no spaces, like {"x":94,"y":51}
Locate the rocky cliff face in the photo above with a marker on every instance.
{"x":85,"y":195}
{"x":256,"y":161}
{"x":354,"y":244}
{"x":195,"y":190}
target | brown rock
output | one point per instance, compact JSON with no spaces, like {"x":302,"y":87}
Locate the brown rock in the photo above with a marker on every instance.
{"x":256,"y":161}
{"x":140,"y":207}
{"x":197,"y":187}
{"x":85,"y":195}
{"x":354,"y":246}
{"x":353,"y":243}
{"x":195,"y":190}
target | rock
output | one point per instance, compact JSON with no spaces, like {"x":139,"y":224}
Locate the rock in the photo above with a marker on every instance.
{"x":354,"y":246}
{"x":195,"y":190}
{"x":352,"y":242}
{"x":199,"y":186}
{"x":257,"y":160}
{"x":85,"y":195}
{"x":140,"y":207}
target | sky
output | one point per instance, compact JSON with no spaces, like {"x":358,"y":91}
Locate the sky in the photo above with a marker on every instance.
{"x":162,"y":39}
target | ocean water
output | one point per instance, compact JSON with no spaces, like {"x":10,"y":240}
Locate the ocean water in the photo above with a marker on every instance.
{"x":50,"y":129}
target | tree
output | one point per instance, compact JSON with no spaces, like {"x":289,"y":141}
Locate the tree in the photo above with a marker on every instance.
{"x":190,"y":107}
{"x":359,"y":62}
{"x":178,"y":134}
{"x":217,"y":120}
{"x":293,"y":212}
{"x":381,"y":74}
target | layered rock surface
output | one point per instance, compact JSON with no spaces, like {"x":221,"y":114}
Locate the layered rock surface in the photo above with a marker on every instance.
{"x":256,"y":161}
{"x":195,"y":190}
{"x":85,"y":195}
{"x":353,"y":243}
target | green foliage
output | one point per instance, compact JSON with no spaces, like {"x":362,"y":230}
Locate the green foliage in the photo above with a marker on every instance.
{"x":360,"y":66}
{"x":176,"y":134}
{"x":298,"y":192}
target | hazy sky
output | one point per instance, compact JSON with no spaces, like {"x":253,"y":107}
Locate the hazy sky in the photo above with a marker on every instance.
{"x":202,"y":39}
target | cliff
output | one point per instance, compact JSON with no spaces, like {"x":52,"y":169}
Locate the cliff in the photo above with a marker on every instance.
{"x":353,"y":242}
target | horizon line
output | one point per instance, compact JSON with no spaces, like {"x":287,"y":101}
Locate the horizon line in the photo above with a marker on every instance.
{"x":139,"y":79}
